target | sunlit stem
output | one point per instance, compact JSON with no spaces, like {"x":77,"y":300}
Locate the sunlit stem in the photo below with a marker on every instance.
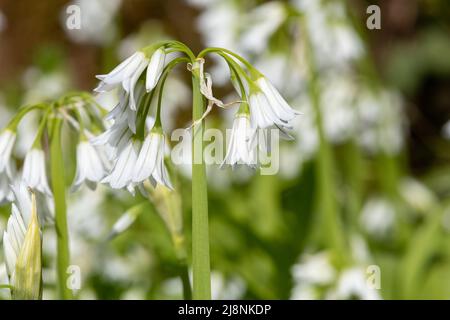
{"x":59,"y":194}
{"x":200,"y":227}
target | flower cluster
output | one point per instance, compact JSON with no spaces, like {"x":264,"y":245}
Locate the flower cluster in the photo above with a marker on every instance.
{"x":136,"y":147}
{"x":78,"y":110}
{"x":261,"y":108}
{"x":136,"y":141}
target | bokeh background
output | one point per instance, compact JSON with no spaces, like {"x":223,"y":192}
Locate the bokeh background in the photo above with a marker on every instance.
{"x":362,"y":192}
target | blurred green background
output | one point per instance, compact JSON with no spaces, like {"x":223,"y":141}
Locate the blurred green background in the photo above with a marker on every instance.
{"x":362,"y":194}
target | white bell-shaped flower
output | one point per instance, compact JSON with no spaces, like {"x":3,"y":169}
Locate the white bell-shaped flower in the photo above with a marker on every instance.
{"x":34,"y":173}
{"x":91,"y":166}
{"x":242,"y":146}
{"x":150,"y":163}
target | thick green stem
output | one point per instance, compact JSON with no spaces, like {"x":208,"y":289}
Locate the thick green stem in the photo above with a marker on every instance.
{"x":59,"y":194}
{"x":200,"y":227}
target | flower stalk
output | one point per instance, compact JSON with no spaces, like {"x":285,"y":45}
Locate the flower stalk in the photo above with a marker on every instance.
{"x":200,"y":227}
{"x":59,"y":194}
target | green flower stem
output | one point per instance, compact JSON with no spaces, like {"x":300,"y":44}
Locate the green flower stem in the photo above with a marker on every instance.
{"x":59,"y":194}
{"x":200,"y":227}
{"x":326,"y":203}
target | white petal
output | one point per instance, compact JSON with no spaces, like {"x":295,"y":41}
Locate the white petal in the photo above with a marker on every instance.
{"x":155,"y":69}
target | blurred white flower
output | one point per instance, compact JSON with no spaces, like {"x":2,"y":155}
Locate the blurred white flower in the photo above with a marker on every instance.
{"x":334,"y":41}
{"x":315,"y":269}
{"x":217,"y":23}
{"x":42,"y":86}
{"x":124,"y":221}
{"x":338,"y":107}
{"x":97,"y":21}
{"x":378,"y":216}
{"x":381,"y":121}
{"x":307,"y":139}
{"x":202,"y":3}
{"x":311,"y":272}
{"x":417,"y":195}
{"x":261,"y":23}
{"x":228,"y":288}
{"x":352,"y":284}
{"x":280,"y":68}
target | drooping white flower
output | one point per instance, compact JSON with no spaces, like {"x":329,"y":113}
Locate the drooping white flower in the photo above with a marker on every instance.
{"x":277,"y":102}
{"x":34,"y":172}
{"x":261,"y":23}
{"x":129,"y":71}
{"x":7,"y":139}
{"x":155,"y":69}
{"x":242,"y":145}
{"x":97,"y":19}
{"x":150,"y":163}
{"x":122,"y":73}
{"x":90,"y":166}
{"x":378,"y":217}
{"x":268,"y":108}
{"x":334,"y":40}
{"x":22,"y":249}
{"x":122,"y":173}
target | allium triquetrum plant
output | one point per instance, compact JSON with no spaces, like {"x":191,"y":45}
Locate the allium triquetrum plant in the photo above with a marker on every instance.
{"x":136,"y":142}
{"x":135,"y":146}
